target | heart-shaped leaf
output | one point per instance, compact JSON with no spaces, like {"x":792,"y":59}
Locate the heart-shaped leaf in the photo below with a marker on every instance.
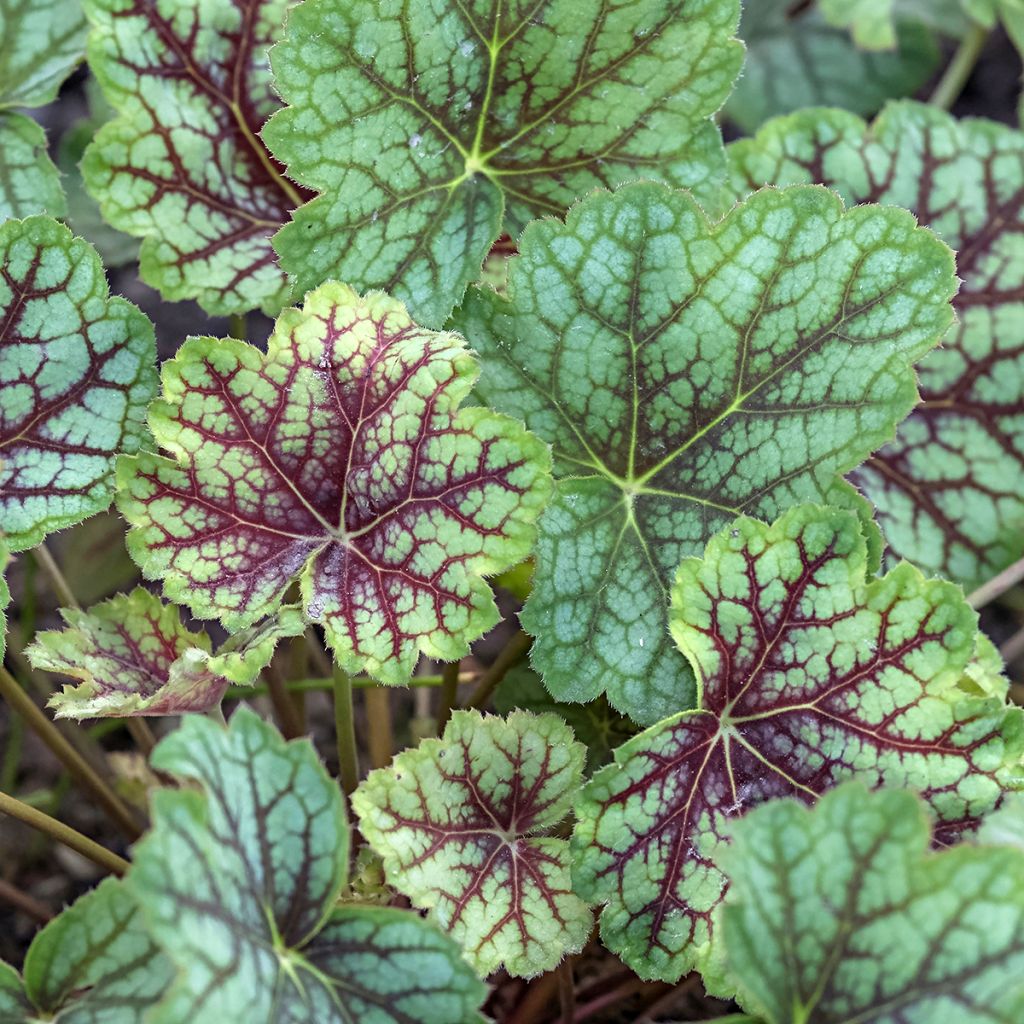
{"x":948,"y":489}
{"x":342,"y":457}
{"x":431,"y":130}
{"x":685,"y":372}
{"x":464,"y":826}
{"x":183,"y":166}
{"x":809,"y":675}
{"x":238,"y":883}
{"x":77,"y":370}
{"x":135,"y":657}
{"x":840,"y":914}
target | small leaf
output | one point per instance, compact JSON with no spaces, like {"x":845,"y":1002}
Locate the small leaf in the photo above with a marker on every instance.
{"x":429,"y":132}
{"x":340,"y":457}
{"x":948,"y":489}
{"x":809,"y":675}
{"x":77,"y":370}
{"x":5,"y":597}
{"x":239,"y":882}
{"x":14,"y":1005}
{"x":463,"y":824}
{"x":870,"y":22}
{"x":685,"y":372}
{"x":840,"y":914}
{"x":29,"y":183}
{"x":135,"y":657}
{"x":41,"y":41}
{"x":183,"y":167}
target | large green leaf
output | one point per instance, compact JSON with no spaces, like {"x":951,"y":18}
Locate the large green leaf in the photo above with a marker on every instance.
{"x":77,"y":370}
{"x":428,"y":127}
{"x":840,"y":915}
{"x":809,"y":674}
{"x":134,"y":656}
{"x":183,"y":166}
{"x":685,"y":372}
{"x":239,"y":882}
{"x":950,"y":489}
{"x":340,"y":457}
{"x":464,"y":826}
{"x":29,"y":183}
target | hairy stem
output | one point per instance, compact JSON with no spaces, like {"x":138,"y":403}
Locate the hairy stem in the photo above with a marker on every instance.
{"x":380,"y":737}
{"x":955,"y":76}
{"x":511,"y":654}
{"x":345,"y":726}
{"x":449,"y":694}
{"x":998,"y":585}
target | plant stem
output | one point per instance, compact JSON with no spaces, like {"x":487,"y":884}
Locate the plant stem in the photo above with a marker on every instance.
{"x":327,"y":685}
{"x":514,"y":651}
{"x":988,"y":592}
{"x":238,"y":326}
{"x":284,"y":710}
{"x":345,"y":726}
{"x":1013,"y":648}
{"x":449,"y":694}
{"x":566,"y":991}
{"x":959,"y":69}
{"x":81,"y":771}
{"x":25,"y":903}
{"x":63,"y":834}
{"x":380,"y":736}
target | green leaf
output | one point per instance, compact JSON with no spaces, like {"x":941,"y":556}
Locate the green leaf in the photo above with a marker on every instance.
{"x":840,"y":914}
{"x":183,"y":167}
{"x":794,"y":60}
{"x":77,"y":369}
{"x":685,"y":372}
{"x":134,"y":657}
{"x":5,"y":597}
{"x":29,"y":183}
{"x":809,"y":674}
{"x":41,"y":41}
{"x":1005,"y":825}
{"x":93,"y":964}
{"x":429,"y":129}
{"x":464,"y":826}
{"x":870,"y":22}
{"x":948,"y":489}
{"x":239,"y":881}
{"x":340,"y":457}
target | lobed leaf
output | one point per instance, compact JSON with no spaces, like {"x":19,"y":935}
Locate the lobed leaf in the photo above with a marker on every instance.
{"x":430,"y":128}
{"x":77,"y":370}
{"x":948,"y":489}
{"x":809,"y":674}
{"x":183,"y":166}
{"x":685,"y":372}
{"x":239,"y":882}
{"x":134,"y":656}
{"x":340,"y":458}
{"x":863,"y":924}
{"x":464,"y":825}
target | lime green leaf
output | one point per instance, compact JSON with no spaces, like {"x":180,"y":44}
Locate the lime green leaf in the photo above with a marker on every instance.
{"x":428,"y":130}
{"x":29,"y":183}
{"x":1005,"y":825}
{"x":685,"y":372}
{"x":870,"y":22}
{"x":77,"y":370}
{"x":797,"y":59}
{"x":183,"y":167}
{"x":41,"y":41}
{"x":239,"y":881}
{"x":134,"y":657}
{"x":948,"y":490}
{"x":464,"y":826}
{"x":840,"y":914}
{"x":342,"y":457}
{"x":809,"y":674}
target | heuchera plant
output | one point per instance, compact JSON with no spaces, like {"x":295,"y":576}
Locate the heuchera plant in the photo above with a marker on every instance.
{"x":569,"y":613}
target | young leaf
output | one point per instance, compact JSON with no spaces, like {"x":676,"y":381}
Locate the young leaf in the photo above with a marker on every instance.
{"x":795,"y":58}
{"x":183,"y":166}
{"x":809,"y":675}
{"x":463,"y":824}
{"x":685,"y":372}
{"x":341,"y":457}
{"x":93,"y":963}
{"x":430,"y":132}
{"x":948,"y":489}
{"x":77,"y":370}
{"x":863,"y":924}
{"x":135,"y":657}
{"x":239,"y":881}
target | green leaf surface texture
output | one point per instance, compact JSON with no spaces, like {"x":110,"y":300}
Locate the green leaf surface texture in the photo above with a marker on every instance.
{"x":5,"y":597}
{"x":14,"y":1005}
{"x":810,"y":673}
{"x":464,"y":825}
{"x":41,"y":41}
{"x":684,"y":372}
{"x":77,"y":370}
{"x":29,"y":182}
{"x":239,"y":882}
{"x":429,"y":128}
{"x":340,"y":457}
{"x":182,"y":166}
{"x":795,"y":58}
{"x":840,"y":915}
{"x":949,"y":489}
{"x":134,"y":656}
